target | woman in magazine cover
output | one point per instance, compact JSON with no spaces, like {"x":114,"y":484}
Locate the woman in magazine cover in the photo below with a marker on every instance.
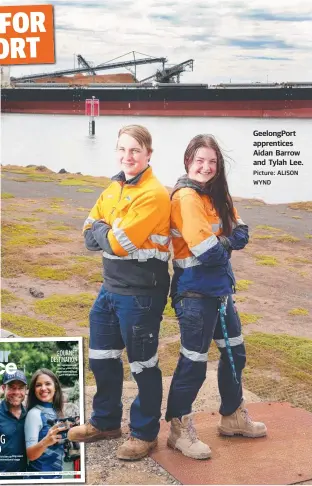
{"x":44,"y":443}
{"x":130,"y":223}
{"x":205,"y":229}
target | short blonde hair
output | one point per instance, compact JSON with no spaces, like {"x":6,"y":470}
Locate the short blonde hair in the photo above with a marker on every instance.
{"x":140,"y":134}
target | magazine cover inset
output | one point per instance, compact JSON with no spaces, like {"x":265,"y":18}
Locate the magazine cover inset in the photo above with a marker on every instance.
{"x":41,"y":398}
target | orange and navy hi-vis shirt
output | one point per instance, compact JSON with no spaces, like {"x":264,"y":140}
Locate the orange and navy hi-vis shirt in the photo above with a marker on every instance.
{"x":201,"y":263}
{"x":130,"y":222}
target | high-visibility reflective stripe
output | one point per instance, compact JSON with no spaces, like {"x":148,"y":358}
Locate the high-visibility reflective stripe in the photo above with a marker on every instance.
{"x":176,"y":233}
{"x":88,"y":221}
{"x":123,"y":240}
{"x":215,"y":226}
{"x":239,"y":221}
{"x":160,"y":239}
{"x":138,"y":366}
{"x":193,"y":355}
{"x":104,"y":353}
{"x":234,"y":341}
{"x":142,"y":255}
{"x":204,"y":245}
{"x":186,"y":262}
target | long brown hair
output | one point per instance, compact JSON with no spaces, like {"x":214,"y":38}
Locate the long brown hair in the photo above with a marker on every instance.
{"x":58,"y":399}
{"x":217,"y":188}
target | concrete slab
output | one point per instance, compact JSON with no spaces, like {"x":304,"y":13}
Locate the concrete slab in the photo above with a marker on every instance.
{"x":283,"y":457}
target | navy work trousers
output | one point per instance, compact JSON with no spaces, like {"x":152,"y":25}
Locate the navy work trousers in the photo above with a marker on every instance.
{"x":119,"y":321}
{"x":199,"y":321}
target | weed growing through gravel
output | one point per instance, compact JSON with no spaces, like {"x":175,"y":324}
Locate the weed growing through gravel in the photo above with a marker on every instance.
{"x":249,"y":318}
{"x":266,"y":227}
{"x":243,"y":285}
{"x":25,"y":326}
{"x":262,"y":237}
{"x":304,"y":205}
{"x":64,"y":308}
{"x":300,"y":311}
{"x":8,"y":297}
{"x":287,"y":239}
{"x":266,"y":260}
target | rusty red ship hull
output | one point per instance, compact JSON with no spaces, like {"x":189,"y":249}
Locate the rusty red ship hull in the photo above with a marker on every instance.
{"x":251,"y":102}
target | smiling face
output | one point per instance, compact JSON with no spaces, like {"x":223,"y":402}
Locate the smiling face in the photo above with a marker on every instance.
{"x":133,"y":158}
{"x":204,"y":165}
{"x":45,"y":388}
{"x":14,"y":393}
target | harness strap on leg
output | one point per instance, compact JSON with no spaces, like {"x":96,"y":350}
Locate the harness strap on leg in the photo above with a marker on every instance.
{"x":222,"y":311}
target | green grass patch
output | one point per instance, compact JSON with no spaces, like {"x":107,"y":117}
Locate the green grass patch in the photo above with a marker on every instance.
{"x":297,"y":217}
{"x":243,"y":285}
{"x":7,"y":297}
{"x":66,"y":308}
{"x":49,"y":273}
{"x":262,"y":237}
{"x":57,"y":199}
{"x":31,"y":219}
{"x":12,"y":265}
{"x":287,"y":239}
{"x":28,"y":327}
{"x":266,"y":260}
{"x":87,"y":259}
{"x":308,"y":236}
{"x":267,"y":228}
{"x":72,"y":182}
{"x":60,"y":227}
{"x":279,"y":367}
{"x":6,"y":195}
{"x":85,"y":190}
{"x":169,"y":311}
{"x":298,"y":260}
{"x":40,"y":178}
{"x":249,"y":318}
{"x":169,"y":328}
{"x":83,"y":324}
{"x":240,"y":298}
{"x":300,"y":311}
{"x":96,"y":277}
{"x":37,"y":241}
{"x":65,"y":272}
{"x":85,"y":210}
{"x":49,"y":211}
{"x":304,"y":206}
{"x":24,"y":235}
{"x":11,"y":230}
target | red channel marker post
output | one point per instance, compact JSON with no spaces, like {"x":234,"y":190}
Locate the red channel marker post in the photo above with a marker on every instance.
{"x":92,"y":110}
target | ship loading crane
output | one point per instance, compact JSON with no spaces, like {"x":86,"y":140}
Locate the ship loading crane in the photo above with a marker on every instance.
{"x":169,"y":73}
{"x":100,"y":67}
{"x":82,"y":62}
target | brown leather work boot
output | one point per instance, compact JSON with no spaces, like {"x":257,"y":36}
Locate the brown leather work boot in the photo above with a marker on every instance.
{"x":88,"y":433}
{"x":183,"y":437}
{"x":134,"y":449}
{"x":239,"y":423}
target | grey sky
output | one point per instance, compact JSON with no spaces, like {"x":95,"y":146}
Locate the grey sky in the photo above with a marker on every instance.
{"x":233,"y":40}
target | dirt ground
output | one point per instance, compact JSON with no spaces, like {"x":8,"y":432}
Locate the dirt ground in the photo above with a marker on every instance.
{"x":277,"y":265}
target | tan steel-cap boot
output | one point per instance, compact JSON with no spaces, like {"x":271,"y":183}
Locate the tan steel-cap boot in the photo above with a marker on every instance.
{"x":88,"y":433}
{"x":183,"y":437}
{"x":134,"y":449}
{"x":239,"y":423}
